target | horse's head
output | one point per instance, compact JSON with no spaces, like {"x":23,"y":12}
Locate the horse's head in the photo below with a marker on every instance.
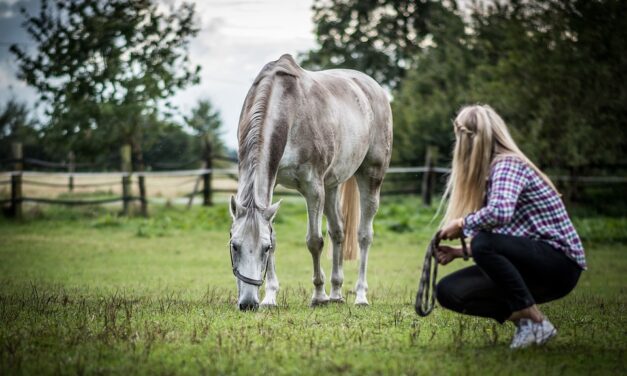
{"x":252,"y":242}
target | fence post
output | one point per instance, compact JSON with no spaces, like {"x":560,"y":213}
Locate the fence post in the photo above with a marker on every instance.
{"x":125,"y":153}
{"x":16,"y":180}
{"x":428,"y":177}
{"x":206,"y":191}
{"x":70,"y":169}
{"x":141,"y":181}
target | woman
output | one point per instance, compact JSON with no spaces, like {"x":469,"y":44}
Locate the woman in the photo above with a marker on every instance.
{"x":524,"y":245}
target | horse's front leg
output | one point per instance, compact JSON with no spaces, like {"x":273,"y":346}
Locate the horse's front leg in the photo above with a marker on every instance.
{"x":315,"y":204}
{"x":272,"y":284}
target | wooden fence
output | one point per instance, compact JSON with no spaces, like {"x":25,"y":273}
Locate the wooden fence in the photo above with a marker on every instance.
{"x":400,"y":180}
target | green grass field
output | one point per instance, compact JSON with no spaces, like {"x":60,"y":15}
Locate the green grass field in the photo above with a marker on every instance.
{"x":85,"y":291}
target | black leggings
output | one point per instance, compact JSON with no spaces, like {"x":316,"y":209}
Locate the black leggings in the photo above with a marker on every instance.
{"x":511,"y":273}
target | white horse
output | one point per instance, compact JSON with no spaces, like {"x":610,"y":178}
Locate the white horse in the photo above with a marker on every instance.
{"x":313,"y":132}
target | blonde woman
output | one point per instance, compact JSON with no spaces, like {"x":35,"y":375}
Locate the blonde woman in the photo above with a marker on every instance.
{"x":525,"y":248}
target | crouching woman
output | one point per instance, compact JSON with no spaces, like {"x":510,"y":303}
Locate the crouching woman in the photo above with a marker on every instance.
{"x":525,"y":248}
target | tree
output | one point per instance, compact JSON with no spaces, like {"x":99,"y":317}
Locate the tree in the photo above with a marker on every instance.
{"x":378,"y":37}
{"x":206,"y":123}
{"x":16,"y":126}
{"x":553,"y":69}
{"x":105,"y":67}
{"x":432,"y":92}
{"x":171,"y":147}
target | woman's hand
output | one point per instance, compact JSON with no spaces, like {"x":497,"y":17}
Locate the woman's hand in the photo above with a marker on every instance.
{"x":445,"y":254}
{"x":452,"y":230}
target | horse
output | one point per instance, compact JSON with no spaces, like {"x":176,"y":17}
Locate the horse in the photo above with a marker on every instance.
{"x":325,"y":134}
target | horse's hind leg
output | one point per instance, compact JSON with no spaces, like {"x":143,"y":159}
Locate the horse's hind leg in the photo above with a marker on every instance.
{"x":315,"y":201}
{"x":369,"y":188}
{"x":336,"y":233}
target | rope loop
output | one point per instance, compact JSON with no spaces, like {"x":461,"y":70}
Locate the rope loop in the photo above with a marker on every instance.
{"x":426,"y":296}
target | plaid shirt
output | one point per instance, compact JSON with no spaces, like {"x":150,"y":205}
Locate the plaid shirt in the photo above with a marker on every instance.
{"x":520,"y":203}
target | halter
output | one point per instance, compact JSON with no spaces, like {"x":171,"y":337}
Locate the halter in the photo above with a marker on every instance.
{"x":425,"y":298}
{"x":243,"y":278}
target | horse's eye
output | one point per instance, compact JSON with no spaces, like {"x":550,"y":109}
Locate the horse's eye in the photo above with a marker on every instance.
{"x":268,"y":248}
{"x":235,"y":247}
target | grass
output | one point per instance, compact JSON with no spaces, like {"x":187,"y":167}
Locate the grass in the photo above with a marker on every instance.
{"x":85,"y":291}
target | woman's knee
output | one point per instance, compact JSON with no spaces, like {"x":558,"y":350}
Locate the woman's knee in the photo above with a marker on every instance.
{"x":446,"y":294}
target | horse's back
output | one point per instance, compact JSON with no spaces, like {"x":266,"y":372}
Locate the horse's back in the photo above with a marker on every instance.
{"x":370,"y":112}
{"x":341,"y":118}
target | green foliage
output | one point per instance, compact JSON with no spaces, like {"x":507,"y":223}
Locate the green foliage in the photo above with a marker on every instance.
{"x":425,"y":104}
{"x":104,"y":67}
{"x":82,"y":298}
{"x":109,"y":220}
{"x":154,"y":227}
{"x":400,"y":217}
{"x":207,"y":124}
{"x":552,"y":69}
{"x":556,"y":77}
{"x":380,"y":38}
{"x":602,"y":229}
{"x":16,"y":125}
{"x":171,"y":144}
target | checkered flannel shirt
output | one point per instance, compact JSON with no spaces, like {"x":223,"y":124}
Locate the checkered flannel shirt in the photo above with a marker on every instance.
{"x":520,"y":203}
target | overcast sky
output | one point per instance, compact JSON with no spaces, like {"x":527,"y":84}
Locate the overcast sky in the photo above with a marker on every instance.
{"x":237,"y":38}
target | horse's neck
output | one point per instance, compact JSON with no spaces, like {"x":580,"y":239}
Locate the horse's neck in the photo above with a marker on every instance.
{"x":258,"y":175}
{"x":256,"y":186}
{"x":264,"y":132}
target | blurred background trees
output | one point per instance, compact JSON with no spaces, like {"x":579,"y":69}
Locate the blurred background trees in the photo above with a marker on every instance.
{"x":555,"y":70}
{"x":105,"y":69}
{"x":17,"y":125}
{"x":378,"y":37}
{"x":206,"y":124}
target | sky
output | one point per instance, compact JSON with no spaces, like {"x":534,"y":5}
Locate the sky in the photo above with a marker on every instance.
{"x":237,"y":38}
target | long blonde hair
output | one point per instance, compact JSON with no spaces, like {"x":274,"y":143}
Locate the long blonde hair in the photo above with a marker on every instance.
{"x":481,"y":138}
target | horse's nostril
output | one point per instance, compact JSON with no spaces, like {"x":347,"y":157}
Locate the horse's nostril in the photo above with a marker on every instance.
{"x":248,"y":306}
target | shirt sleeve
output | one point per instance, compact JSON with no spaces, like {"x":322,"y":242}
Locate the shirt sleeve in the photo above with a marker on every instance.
{"x":507,"y":180}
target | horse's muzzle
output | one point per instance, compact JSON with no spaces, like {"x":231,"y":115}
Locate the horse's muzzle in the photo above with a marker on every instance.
{"x":248,"y":299}
{"x":248,"y":306}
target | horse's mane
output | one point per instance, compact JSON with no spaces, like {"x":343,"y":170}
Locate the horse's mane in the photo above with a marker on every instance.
{"x":252,"y":122}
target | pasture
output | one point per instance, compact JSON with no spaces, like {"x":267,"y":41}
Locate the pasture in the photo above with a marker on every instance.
{"x":85,"y":291}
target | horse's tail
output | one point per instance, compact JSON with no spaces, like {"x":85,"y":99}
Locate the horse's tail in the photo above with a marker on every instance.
{"x":349,"y":204}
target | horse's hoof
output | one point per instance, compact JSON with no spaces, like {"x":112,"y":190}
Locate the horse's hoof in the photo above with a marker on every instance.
{"x":362,"y":303}
{"x":337,"y":300}
{"x":268,"y":305}
{"x":319,"y":302}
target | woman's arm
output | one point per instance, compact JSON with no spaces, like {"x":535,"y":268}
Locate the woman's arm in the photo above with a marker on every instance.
{"x":507,"y":180}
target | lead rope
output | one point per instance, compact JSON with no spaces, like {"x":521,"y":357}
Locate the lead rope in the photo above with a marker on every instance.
{"x":425,"y":298}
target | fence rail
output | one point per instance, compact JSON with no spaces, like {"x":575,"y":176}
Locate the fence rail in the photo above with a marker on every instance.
{"x":19,"y":177}
{"x":24,"y":178}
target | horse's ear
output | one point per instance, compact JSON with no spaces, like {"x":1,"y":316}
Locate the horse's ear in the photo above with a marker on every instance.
{"x":270,"y":212}
{"x":235,"y":208}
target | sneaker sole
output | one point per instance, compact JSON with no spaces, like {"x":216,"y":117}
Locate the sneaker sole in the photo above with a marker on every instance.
{"x":546,"y":338}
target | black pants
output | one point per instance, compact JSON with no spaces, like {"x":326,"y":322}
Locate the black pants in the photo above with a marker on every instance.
{"x":511,"y":273}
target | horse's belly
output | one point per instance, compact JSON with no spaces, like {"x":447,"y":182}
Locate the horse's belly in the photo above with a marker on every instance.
{"x":350,"y":153}
{"x":351,"y":145}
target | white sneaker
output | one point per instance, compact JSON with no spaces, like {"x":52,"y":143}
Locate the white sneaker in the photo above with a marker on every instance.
{"x":544,"y":331}
{"x":529,"y":333}
{"x":524,"y":335}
